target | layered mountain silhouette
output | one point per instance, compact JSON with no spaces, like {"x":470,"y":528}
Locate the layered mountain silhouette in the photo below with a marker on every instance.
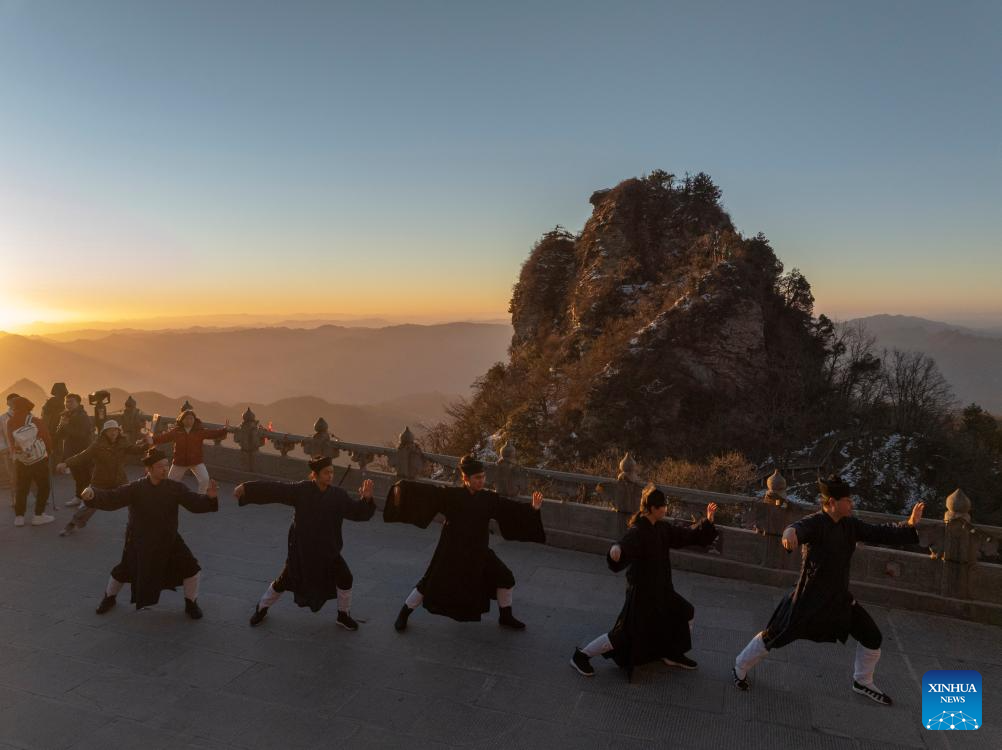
{"x":345,"y":365}
{"x":970,"y":359}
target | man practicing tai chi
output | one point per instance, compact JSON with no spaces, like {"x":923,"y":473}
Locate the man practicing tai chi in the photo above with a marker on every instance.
{"x":314,"y":570}
{"x":655,"y":621}
{"x":155,"y":557}
{"x":821,"y":608}
{"x":464,"y":573}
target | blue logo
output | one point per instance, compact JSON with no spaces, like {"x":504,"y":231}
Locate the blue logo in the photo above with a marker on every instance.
{"x":951,"y":699}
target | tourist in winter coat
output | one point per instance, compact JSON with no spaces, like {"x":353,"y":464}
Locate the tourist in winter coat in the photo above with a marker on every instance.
{"x":31,"y":459}
{"x":74,"y":434}
{"x":187,"y":435}
{"x":105,"y":461}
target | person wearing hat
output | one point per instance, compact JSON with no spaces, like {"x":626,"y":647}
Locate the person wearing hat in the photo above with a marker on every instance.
{"x":314,"y":570}
{"x":187,"y":434}
{"x":655,"y":621}
{"x":74,"y":434}
{"x":155,"y":557}
{"x":821,"y":608}
{"x":52,"y":409}
{"x":30,"y":443}
{"x":464,"y":573}
{"x":104,"y":459}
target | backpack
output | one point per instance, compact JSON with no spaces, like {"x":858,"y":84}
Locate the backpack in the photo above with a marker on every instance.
{"x":32,"y":447}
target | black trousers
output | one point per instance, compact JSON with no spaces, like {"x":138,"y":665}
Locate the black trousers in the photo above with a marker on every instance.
{"x":863,"y":628}
{"x":27,"y":474}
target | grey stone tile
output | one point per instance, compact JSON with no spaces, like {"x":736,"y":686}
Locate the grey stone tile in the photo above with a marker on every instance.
{"x":36,"y":722}
{"x":204,"y":669}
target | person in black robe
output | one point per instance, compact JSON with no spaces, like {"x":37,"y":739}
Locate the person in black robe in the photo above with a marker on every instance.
{"x":655,"y":621}
{"x":464,"y":573}
{"x":821,"y":608}
{"x":155,"y":557}
{"x":314,"y":570}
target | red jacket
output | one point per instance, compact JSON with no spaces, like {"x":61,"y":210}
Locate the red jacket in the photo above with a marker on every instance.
{"x":21,"y":408}
{"x":188,"y":445}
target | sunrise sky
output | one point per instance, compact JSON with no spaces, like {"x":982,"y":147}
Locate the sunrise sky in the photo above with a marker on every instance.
{"x":400,"y":158}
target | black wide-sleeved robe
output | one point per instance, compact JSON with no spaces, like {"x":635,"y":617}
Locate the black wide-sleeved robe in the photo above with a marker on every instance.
{"x":820,"y":607}
{"x":155,"y":557}
{"x":464,"y":573}
{"x":654,"y":620}
{"x":314,"y":568}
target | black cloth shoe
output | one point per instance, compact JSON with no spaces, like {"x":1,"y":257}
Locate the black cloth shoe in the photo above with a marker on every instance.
{"x":259,"y":614}
{"x":507,"y":620}
{"x":682,"y":661}
{"x":69,"y":529}
{"x":401,"y":623}
{"x":872,"y":694}
{"x":741,"y":683}
{"x":192,"y":609}
{"x":345,"y":621}
{"x":582,"y":663}
{"x":106,"y":604}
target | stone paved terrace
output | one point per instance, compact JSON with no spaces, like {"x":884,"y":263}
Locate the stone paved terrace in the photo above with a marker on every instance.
{"x":154,"y":679}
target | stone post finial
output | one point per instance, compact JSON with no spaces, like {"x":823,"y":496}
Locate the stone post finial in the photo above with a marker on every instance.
{"x":776,"y":489}
{"x":130,"y":403}
{"x":186,"y":406}
{"x":409,"y":458}
{"x":249,"y":437}
{"x":510,"y":479}
{"x":406,"y":438}
{"x":507,"y":453}
{"x":628,"y":470}
{"x":961,"y":545}
{"x":320,"y":444}
{"x":958,"y":505}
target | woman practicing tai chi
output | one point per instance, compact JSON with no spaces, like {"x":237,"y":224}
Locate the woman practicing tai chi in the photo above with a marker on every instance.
{"x":464,"y":573}
{"x":655,"y":621}
{"x":821,"y":608}
{"x":314,"y":570}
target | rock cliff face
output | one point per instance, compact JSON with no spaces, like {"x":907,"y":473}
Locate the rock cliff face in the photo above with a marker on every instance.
{"x":657,"y":329}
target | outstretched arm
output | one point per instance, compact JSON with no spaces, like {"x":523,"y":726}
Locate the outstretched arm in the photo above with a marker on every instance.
{"x":891,"y":533}
{"x":361,"y":509}
{"x":518,"y":521}
{"x":415,"y":502}
{"x":114,"y":499}
{"x":195,"y":503}
{"x":264,"y":493}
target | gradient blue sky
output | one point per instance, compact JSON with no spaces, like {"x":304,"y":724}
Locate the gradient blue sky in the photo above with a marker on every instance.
{"x":403,"y":157}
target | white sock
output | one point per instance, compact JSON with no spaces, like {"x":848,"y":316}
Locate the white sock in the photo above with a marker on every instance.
{"x":414,"y":599}
{"x":191,"y":587}
{"x":504,"y":597}
{"x":866,"y":663}
{"x":599,"y":646}
{"x":113,"y":587}
{"x":344,"y":600}
{"x":753,"y":653}
{"x":269,"y":597}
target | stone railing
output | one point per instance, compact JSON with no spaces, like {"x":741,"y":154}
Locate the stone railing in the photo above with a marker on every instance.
{"x":951,"y":577}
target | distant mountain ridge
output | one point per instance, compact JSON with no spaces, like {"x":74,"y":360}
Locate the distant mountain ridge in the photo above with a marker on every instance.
{"x":344,"y":365}
{"x":970,"y":359}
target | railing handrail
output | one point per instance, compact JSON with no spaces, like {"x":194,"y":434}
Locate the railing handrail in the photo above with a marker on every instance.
{"x":688,"y":495}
